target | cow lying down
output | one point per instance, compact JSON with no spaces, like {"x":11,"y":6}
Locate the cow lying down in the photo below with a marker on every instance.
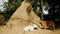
{"x":47,"y":24}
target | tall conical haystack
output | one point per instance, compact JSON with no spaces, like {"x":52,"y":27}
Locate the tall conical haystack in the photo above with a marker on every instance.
{"x":23,"y":16}
{"x":24,"y":12}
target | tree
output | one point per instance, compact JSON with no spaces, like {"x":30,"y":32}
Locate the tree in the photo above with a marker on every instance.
{"x":11,"y":7}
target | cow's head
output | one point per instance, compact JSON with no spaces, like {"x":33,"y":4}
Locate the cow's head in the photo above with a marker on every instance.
{"x":47,"y":24}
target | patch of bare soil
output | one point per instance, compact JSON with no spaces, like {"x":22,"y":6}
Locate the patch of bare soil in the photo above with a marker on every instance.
{"x":21,"y":19}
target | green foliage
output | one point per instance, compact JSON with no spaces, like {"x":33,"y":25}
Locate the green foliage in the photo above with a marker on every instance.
{"x":37,"y":7}
{"x":11,"y":7}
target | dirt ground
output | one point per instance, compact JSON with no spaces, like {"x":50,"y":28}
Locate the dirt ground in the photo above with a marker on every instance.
{"x":18,"y":28}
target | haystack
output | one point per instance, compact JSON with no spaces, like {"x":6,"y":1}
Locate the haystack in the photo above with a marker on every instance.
{"x":25,"y":12}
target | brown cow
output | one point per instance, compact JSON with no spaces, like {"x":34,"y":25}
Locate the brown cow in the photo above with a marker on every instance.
{"x":47,"y":24}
